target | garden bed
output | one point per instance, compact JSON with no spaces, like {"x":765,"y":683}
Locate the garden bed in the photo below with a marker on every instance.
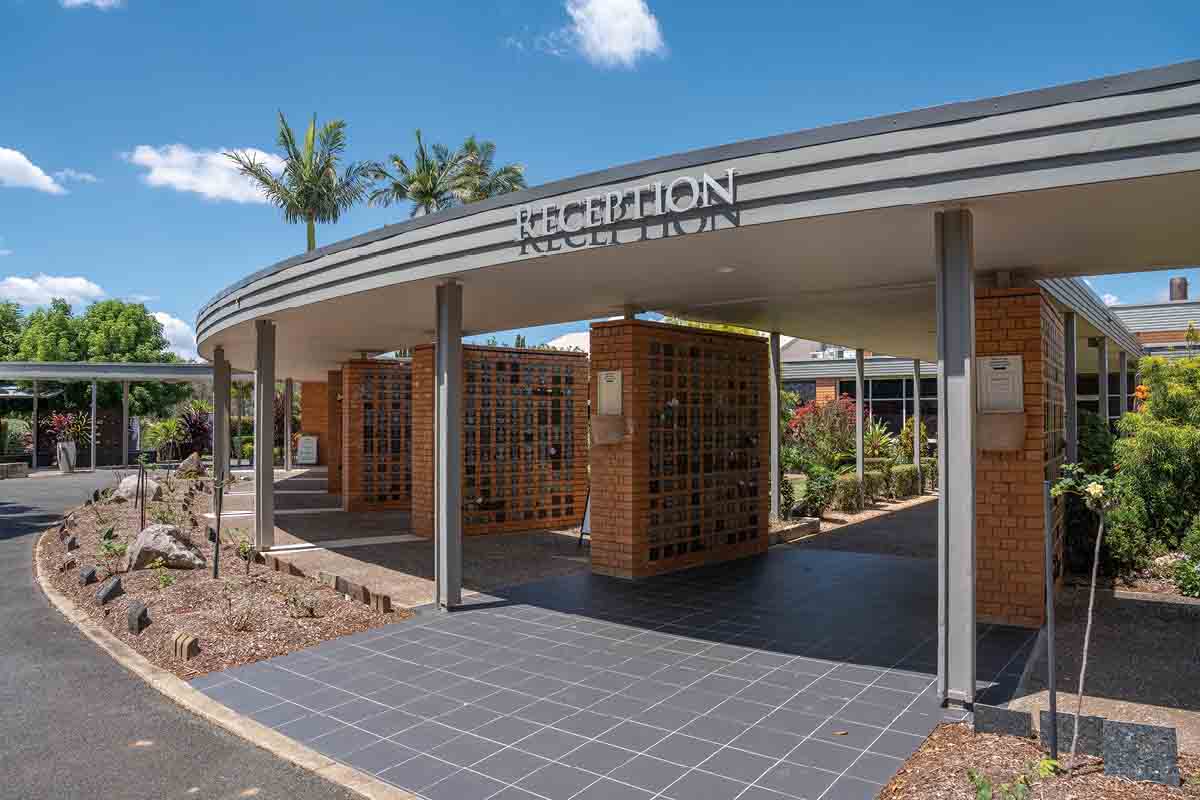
{"x":938,"y":771}
{"x":240,"y":618}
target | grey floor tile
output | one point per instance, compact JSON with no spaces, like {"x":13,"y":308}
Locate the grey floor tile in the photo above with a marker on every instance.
{"x":633,"y":736}
{"x":426,"y":736}
{"x":618,"y":706}
{"x":666,"y":717}
{"x":649,"y":773}
{"x":276,"y":715}
{"x":510,"y":765}
{"x":889,"y":698}
{"x":868,"y":714}
{"x":847,"y":734}
{"x":766,"y":693}
{"x":431,"y":705}
{"x":598,"y":757}
{"x":505,"y":701}
{"x":545,"y":712}
{"x":875,"y":768}
{"x":715,"y":729}
{"x":389,"y":722}
{"x":818,"y":705}
{"x":916,"y":723}
{"x":507,"y":730}
{"x":343,"y":741}
{"x":698,"y":785}
{"x":358,"y":709}
{"x":323,"y":699}
{"x":905,"y":681}
{"x":397,"y":695}
{"x":242,"y":697}
{"x":585,"y":723}
{"x":651,"y":691}
{"x":767,"y":742}
{"x":738,"y":764}
{"x":797,"y":780}
{"x":377,"y":757}
{"x":468,"y":691}
{"x":468,"y":718}
{"x":551,"y":743}
{"x":419,"y":772}
{"x":556,"y":781}
{"x":464,"y":785}
{"x":211,"y":679}
{"x":761,"y":793}
{"x":851,"y":788}
{"x":366,"y":684}
{"x":308,"y":728}
{"x":697,"y":700}
{"x":896,"y":744}
{"x":465,"y":750}
{"x":609,"y":681}
{"x":743,"y":711}
{"x":681,"y":749}
{"x":794,"y":722}
{"x":823,"y":754}
{"x":605,"y":789}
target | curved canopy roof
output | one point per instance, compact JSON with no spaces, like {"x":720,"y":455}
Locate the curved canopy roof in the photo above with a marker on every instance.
{"x":828,"y":235}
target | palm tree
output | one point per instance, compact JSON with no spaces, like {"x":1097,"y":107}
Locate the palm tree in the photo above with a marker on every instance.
{"x":484,"y":179}
{"x":309,"y":187}
{"x":436,"y":179}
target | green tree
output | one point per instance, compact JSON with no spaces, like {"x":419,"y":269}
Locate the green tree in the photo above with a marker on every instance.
{"x":51,"y":334}
{"x":12,"y":322}
{"x":309,"y":188}
{"x":484,"y":179}
{"x":436,"y":179}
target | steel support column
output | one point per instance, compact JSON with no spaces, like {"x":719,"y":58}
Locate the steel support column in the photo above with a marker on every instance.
{"x":860,"y":408}
{"x":288,"y":399}
{"x":124,"y":423}
{"x":220,"y":415}
{"x":92,"y":463}
{"x":956,"y":455}
{"x":448,"y":458}
{"x":774,"y":387}
{"x":1123,"y":367}
{"x":917,"y":443}
{"x":1102,"y":378}
{"x":264,"y":434}
{"x":33,"y":429}
{"x":1071,"y":381}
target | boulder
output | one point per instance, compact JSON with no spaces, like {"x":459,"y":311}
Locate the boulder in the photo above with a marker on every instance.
{"x":191,"y":466}
{"x":127,"y":489}
{"x":166,"y":542}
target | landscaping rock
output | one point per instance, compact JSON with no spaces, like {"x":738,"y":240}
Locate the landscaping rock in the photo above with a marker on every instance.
{"x":67,"y":563}
{"x":191,"y":466}
{"x":166,"y":542}
{"x":127,"y":489}
{"x":1091,"y":733}
{"x":1141,"y":752}
{"x":72,"y":544}
{"x":185,"y":646}
{"x":993,"y":719}
{"x":111,"y":590}
{"x":87,"y":576}
{"x":138,"y":617}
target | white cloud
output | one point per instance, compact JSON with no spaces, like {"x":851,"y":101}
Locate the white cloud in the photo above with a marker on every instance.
{"x":3,"y":250}
{"x":615,"y":33}
{"x":578,"y":339}
{"x":207,"y":172}
{"x":103,"y":5}
{"x":180,"y":335}
{"x":18,"y":171}
{"x":1110,"y":299}
{"x":68,"y":174}
{"x":41,"y":289}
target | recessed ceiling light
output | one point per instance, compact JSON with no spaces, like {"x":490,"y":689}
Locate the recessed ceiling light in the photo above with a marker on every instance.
{"x":725,"y":270}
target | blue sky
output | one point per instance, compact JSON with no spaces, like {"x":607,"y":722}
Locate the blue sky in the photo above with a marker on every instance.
{"x":110,"y":112}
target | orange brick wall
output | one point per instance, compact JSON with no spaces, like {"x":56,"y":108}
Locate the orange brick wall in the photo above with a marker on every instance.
{"x":333,"y":394}
{"x":376,"y":419}
{"x":1008,"y":485}
{"x":314,"y":416}
{"x":689,"y":483}
{"x":524,"y":442}
{"x":826,"y":390}
{"x":1162,"y":337}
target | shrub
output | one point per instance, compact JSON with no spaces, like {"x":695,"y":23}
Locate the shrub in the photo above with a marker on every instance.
{"x":848,"y":494}
{"x":904,"y":480}
{"x":906,"y":442}
{"x":1095,"y":443}
{"x":247,"y":450}
{"x":791,"y":458}
{"x":818,"y":493}
{"x":195,"y":420}
{"x":824,"y":432}
{"x":929,"y":473}
{"x":878,"y":441}
{"x":874,"y":484}
{"x":787,"y":497}
{"x":1187,"y":577}
{"x":1191,"y":541}
{"x":165,"y":437}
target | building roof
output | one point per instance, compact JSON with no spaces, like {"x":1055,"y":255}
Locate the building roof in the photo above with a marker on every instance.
{"x":89,"y":371}
{"x":873,"y":367}
{"x":1159,"y":316}
{"x":1076,"y":295}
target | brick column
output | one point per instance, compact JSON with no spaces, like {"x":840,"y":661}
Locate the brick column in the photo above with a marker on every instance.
{"x":333,"y":389}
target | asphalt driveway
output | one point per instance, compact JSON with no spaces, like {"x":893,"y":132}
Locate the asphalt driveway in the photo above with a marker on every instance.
{"x":76,"y":724}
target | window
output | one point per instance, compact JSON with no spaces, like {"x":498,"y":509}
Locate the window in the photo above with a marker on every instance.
{"x":806,"y":390}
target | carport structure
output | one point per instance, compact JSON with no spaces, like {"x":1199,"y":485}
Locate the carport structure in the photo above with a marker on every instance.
{"x":882,"y":234}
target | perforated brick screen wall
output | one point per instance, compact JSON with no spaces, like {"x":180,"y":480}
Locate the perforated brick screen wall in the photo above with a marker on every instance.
{"x":376,"y":432}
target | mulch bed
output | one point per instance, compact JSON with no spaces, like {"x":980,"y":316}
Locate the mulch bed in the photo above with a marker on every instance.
{"x":257,"y":624}
{"x":938,"y":771}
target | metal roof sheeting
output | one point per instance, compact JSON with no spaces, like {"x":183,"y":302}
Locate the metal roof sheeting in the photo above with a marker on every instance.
{"x":1159,"y":316}
{"x":1074,"y":293}
{"x":874,"y":367}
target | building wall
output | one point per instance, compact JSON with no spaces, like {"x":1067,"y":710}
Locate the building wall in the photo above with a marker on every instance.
{"x":524,"y":439}
{"x":1162,"y":337}
{"x":314,"y":416}
{"x":826,"y":389}
{"x":688,"y":482}
{"x":376,"y":430}
{"x":333,"y":433}
{"x":1009,"y":484}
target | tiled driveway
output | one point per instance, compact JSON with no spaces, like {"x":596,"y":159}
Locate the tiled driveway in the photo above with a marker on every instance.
{"x":804,"y":674}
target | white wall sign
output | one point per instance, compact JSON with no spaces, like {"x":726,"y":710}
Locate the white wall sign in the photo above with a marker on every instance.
{"x":608,"y":393}
{"x":685,"y":193}
{"x":306,"y":450}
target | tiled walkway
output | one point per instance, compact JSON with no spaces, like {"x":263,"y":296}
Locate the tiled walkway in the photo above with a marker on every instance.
{"x":805,"y":674}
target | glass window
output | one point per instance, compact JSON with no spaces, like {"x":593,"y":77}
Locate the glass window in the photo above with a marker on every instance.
{"x":806,"y":390}
{"x":847,"y":388}
{"x":1087,"y":385}
{"x":889,"y":389}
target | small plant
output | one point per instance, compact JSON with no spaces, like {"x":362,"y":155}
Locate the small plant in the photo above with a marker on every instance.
{"x":1018,"y":788}
{"x":1187,"y":577}
{"x":244,"y":550}
{"x":818,"y":493}
{"x":300,"y":604}
{"x":878,"y":441}
{"x":848,"y":494}
{"x":111,"y":550}
{"x":236,"y":612}
{"x":787,"y":497}
{"x":163,"y":576}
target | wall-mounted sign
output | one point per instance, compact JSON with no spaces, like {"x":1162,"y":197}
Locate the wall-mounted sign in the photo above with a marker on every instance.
{"x":306,"y":450}
{"x":685,"y":193}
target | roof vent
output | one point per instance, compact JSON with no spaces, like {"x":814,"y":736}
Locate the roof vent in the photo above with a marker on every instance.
{"x":1179,"y":289}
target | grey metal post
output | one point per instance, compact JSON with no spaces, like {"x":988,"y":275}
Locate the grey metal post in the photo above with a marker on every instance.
{"x":1102,"y":377}
{"x":33,"y":429}
{"x":1123,"y":367}
{"x":1048,"y":517}
{"x":124,"y":423}
{"x":288,"y":391}
{"x":220,"y":414}
{"x":264,"y":435}
{"x":956,"y":455}
{"x":774,"y":387}
{"x":93,"y":426}
{"x":448,"y":473}
{"x":917,"y":443}
{"x":859,"y":408}
{"x":1071,"y":379}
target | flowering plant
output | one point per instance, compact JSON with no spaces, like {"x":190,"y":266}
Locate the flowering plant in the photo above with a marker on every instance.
{"x":69,"y":427}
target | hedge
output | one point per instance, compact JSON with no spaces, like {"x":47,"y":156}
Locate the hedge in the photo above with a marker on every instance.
{"x":848,"y":495}
{"x":904,"y":481}
{"x":874,"y":484}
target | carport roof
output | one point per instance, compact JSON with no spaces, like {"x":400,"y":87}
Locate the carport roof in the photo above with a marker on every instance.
{"x":107,"y":371}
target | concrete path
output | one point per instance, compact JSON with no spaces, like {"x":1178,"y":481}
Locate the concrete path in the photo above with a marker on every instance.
{"x":74,"y":723}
